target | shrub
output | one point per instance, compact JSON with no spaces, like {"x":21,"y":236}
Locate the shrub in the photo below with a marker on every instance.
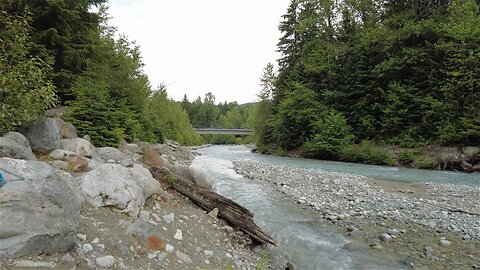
{"x":369,"y":153}
{"x":407,"y":157}
{"x":332,"y":136}
{"x":425,"y":162}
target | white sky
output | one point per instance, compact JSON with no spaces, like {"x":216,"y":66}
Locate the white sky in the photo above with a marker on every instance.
{"x":195,"y":47}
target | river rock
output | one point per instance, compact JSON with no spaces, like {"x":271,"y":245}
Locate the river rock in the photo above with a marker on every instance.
{"x":40,"y":213}
{"x":445,"y":243}
{"x":169,"y":218}
{"x":152,"y":158}
{"x":44,"y":134}
{"x":178,"y":235}
{"x":169,"y":248}
{"x":118,"y":186}
{"x":184,"y":257}
{"x":105,"y":261}
{"x":385,"y":237}
{"x":110,"y":153}
{"x":15,"y":145}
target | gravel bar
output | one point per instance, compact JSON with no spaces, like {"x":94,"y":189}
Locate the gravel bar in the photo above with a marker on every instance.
{"x":340,"y":196}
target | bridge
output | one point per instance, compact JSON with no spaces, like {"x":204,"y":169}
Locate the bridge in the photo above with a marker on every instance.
{"x":224,"y":131}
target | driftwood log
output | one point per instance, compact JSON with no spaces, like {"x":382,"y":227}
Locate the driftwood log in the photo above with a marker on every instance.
{"x":229,"y":210}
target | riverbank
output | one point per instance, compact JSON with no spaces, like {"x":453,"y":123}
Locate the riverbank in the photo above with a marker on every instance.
{"x":435,"y":157}
{"x":422,"y":223}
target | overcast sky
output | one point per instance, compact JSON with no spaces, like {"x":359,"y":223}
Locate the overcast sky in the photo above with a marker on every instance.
{"x":195,"y":47}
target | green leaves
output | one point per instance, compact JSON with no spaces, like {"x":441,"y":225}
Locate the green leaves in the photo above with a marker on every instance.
{"x":25,"y":91}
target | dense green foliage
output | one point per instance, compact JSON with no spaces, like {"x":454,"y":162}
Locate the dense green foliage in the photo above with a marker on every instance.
{"x":25,"y":91}
{"x":401,"y":72}
{"x":62,"y":51}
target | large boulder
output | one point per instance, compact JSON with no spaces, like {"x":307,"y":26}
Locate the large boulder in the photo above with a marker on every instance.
{"x":115,"y":185}
{"x":40,"y":213}
{"x":80,"y":147}
{"x":110,"y":153}
{"x":15,"y":145}
{"x":44,"y":135}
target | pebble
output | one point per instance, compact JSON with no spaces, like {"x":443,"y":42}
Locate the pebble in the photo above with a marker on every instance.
{"x":428,"y":252}
{"x":87,"y":248}
{"x":393,"y":232}
{"x":82,"y":237}
{"x":385,"y":237}
{"x":208,"y":253}
{"x":105,"y":261}
{"x":184,"y":257}
{"x":445,"y":243}
{"x":178,"y":235}
{"x":169,"y":248}
{"x":95,"y":241}
{"x":169,"y":218}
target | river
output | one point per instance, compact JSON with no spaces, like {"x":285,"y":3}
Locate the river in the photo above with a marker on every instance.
{"x":301,"y":240}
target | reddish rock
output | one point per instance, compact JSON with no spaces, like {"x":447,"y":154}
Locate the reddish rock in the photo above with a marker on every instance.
{"x":155,"y":243}
{"x":78,"y":164}
{"x":153,"y":159}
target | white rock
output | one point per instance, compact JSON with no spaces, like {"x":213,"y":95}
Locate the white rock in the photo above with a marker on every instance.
{"x":445,"y":243}
{"x":95,"y":241}
{"x":213,"y":213}
{"x":208,"y":253}
{"x":105,"y":261}
{"x":169,"y":218}
{"x":87,"y":248}
{"x":178,"y":235}
{"x":82,"y":236}
{"x":385,"y":237}
{"x":169,"y":248}
{"x":184,"y":257}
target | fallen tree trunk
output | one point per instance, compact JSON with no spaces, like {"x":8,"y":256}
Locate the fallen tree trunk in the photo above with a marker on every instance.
{"x":208,"y":200}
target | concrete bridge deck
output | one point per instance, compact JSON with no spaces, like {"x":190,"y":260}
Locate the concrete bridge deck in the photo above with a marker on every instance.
{"x":224,"y":131}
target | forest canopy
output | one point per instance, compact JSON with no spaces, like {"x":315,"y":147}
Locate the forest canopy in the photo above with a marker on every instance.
{"x":398,"y":72}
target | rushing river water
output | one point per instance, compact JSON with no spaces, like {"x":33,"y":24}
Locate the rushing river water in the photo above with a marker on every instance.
{"x":303,"y":240}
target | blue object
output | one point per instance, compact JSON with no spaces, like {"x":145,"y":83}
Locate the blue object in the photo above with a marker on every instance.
{"x":1,"y":180}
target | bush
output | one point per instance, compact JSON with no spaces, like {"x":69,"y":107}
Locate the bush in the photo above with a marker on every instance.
{"x":407,"y":157}
{"x":425,"y":162}
{"x":367,"y":152}
{"x":25,"y":91}
{"x":332,"y":136}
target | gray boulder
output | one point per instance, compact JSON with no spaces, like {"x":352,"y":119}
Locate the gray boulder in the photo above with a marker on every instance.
{"x":40,"y":213}
{"x":44,"y":135}
{"x":59,"y":154}
{"x":183,"y":171}
{"x":115,"y":185}
{"x":15,"y":145}
{"x":80,"y":147}
{"x":110,"y":153}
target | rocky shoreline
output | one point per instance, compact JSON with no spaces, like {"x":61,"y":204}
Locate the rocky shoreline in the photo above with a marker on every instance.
{"x":428,"y":225}
{"x":66,"y":204}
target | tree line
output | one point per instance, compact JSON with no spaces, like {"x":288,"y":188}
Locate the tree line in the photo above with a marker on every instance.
{"x":400,"y":72}
{"x":64,"y":53}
